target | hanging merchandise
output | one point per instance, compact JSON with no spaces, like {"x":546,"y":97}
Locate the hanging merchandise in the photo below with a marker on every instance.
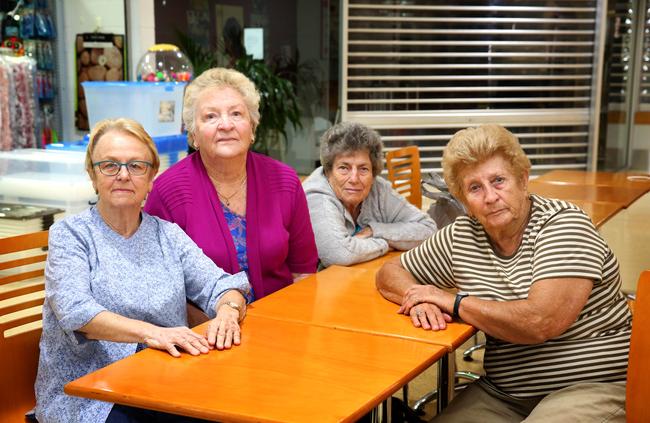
{"x":27,"y":22}
{"x":18,"y":103}
{"x":28,"y":29}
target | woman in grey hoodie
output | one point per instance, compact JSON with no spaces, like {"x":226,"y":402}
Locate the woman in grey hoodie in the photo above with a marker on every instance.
{"x":357,"y":216}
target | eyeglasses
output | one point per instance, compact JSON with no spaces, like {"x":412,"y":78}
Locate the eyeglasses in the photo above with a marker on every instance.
{"x":112,"y":168}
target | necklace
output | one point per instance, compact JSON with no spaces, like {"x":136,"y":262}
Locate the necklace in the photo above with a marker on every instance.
{"x":226,"y":198}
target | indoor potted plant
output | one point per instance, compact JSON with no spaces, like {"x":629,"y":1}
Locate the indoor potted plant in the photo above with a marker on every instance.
{"x":278,"y":100}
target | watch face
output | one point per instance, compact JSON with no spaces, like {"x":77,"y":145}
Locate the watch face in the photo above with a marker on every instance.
{"x":233,"y":305}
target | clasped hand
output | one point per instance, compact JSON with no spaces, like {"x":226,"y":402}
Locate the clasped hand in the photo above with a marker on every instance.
{"x":223,"y":331}
{"x":419,"y":303}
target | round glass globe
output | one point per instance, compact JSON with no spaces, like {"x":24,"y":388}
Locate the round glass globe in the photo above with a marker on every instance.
{"x":164,"y":63}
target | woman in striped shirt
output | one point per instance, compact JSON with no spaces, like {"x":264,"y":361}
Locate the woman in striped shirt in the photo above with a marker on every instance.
{"x":534,"y":275}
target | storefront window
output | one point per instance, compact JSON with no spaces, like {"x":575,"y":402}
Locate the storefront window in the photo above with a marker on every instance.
{"x":298,"y":40}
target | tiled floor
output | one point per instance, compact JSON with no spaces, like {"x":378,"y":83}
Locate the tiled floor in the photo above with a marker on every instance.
{"x":628,"y":235}
{"x":426,"y":382}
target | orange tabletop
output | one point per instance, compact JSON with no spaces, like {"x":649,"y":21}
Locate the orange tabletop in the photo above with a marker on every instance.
{"x":611,"y":179}
{"x":282,"y":372}
{"x":375,"y":264}
{"x":599,"y":212}
{"x":346,"y":298}
{"x":589,"y":193}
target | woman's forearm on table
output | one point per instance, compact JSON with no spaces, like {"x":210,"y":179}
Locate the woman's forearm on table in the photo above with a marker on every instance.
{"x":393,"y":280}
{"x":109,"y":326}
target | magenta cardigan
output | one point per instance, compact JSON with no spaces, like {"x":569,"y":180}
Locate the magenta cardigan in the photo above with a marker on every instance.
{"x":279,"y":236}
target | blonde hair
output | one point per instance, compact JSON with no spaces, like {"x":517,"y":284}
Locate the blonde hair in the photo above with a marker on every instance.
{"x":219,"y":78}
{"x":472,"y":146}
{"x":125,"y":126}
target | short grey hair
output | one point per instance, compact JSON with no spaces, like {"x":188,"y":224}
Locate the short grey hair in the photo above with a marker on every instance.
{"x":350,"y":137}
{"x":219,"y":78}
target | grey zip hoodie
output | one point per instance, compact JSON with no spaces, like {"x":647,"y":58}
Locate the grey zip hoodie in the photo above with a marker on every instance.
{"x":395,"y":223}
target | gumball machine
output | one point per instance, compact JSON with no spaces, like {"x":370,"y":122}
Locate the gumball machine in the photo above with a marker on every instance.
{"x":155,"y":99}
{"x":164,"y":63}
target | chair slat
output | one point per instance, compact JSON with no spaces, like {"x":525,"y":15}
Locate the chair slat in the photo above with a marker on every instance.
{"x":22,"y":276}
{"x":14,"y":323}
{"x":24,"y":305}
{"x":23,"y":261}
{"x":404,"y":164}
{"x":23,"y":242}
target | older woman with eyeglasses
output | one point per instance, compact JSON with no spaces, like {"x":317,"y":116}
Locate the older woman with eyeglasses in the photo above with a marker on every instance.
{"x":116,"y":281}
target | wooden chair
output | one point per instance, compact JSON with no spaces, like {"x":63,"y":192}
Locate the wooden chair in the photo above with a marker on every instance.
{"x":403,"y":167}
{"x":22,"y":285}
{"x":638,"y":371}
{"x":195,"y":316}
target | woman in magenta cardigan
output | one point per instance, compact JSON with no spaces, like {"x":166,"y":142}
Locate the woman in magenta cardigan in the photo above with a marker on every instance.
{"x":245,"y":210}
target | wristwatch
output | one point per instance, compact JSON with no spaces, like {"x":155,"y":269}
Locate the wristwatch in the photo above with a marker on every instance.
{"x":233,"y":304}
{"x":459,"y":297}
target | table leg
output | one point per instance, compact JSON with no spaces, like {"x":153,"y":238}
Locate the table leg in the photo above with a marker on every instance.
{"x":386,"y":410}
{"x":451,"y":377}
{"x":443,"y":383}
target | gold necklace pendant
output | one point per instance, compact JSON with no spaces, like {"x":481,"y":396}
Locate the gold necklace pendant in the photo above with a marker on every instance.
{"x":226,"y":198}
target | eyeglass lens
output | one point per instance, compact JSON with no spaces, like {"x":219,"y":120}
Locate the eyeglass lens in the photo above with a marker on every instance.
{"x":112,"y":168}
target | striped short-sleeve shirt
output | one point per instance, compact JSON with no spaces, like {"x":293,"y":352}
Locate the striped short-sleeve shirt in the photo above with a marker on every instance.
{"x":559,"y":242}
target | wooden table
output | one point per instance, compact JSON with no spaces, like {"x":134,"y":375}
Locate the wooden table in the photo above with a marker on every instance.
{"x":375,"y":264}
{"x":611,"y":179}
{"x":346,"y":298}
{"x":283,"y":371}
{"x":599,"y":212}
{"x":588,"y":193}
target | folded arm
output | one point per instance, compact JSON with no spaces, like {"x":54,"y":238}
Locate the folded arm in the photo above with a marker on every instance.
{"x":551,"y":307}
{"x":403,"y":225}
{"x":393,"y":281}
{"x":336,"y":244}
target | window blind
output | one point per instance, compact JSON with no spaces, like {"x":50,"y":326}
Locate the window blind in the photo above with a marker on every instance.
{"x":418,"y":71}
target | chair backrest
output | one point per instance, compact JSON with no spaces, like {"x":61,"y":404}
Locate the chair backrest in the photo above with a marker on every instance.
{"x":403,"y":167}
{"x":638,"y":371}
{"x":22,"y":260}
{"x":195,"y":316}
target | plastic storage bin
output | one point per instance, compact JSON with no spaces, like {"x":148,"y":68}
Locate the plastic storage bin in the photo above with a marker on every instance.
{"x":46,"y":178}
{"x":157,"y":106}
{"x":171,"y":148}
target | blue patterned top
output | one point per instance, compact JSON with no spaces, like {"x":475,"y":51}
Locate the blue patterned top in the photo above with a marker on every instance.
{"x":90,"y":269}
{"x":237,"y":226}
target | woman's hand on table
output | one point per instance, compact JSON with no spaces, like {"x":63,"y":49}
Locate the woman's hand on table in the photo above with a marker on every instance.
{"x":418,"y":294}
{"x":224,"y":331}
{"x":171,"y":339}
{"x":428,"y":317}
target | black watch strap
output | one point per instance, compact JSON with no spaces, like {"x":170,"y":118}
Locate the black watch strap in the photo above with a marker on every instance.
{"x":459,"y":298}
